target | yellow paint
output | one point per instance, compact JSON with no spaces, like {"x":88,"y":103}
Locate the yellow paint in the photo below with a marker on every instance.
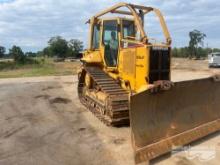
{"x":92,"y":57}
{"x":133,"y":62}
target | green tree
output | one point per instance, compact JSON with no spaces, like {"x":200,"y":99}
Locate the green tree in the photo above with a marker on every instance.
{"x":75,"y":46}
{"x":17,"y":54}
{"x":58,"y":46}
{"x":46,"y":52}
{"x":196,"y":40}
{"x":30,"y":54}
{"x":40,"y":54}
{"x":2,"y":51}
{"x":180,"y":52}
{"x":175,"y":52}
{"x":215,"y":50}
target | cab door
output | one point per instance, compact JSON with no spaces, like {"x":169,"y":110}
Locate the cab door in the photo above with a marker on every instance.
{"x":110,"y":42}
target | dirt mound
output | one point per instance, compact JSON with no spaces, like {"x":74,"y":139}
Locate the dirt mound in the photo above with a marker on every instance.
{"x":60,"y":100}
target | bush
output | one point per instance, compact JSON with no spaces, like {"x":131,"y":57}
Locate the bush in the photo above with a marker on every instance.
{"x":17,"y":54}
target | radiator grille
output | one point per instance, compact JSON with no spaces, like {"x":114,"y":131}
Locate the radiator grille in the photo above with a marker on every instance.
{"x":159,"y":64}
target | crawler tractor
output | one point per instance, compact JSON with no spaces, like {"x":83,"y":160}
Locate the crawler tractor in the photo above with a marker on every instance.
{"x":125,"y":79}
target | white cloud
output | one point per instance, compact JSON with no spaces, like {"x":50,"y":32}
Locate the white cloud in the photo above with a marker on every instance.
{"x":30,"y":23}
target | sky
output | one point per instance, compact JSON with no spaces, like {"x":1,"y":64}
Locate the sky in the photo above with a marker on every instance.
{"x":31,"y":23}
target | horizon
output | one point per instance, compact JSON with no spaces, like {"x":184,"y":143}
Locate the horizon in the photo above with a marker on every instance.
{"x":29,"y":24}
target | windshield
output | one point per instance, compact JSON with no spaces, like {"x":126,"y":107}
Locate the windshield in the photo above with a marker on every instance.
{"x":128,"y":29}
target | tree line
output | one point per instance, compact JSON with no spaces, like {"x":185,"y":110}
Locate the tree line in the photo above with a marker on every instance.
{"x":57,"y":47}
{"x":195,"y":48}
{"x":60,"y":47}
{"x":184,"y":52}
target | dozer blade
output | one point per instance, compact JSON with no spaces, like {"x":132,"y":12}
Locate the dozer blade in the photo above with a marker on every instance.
{"x":160,"y":121}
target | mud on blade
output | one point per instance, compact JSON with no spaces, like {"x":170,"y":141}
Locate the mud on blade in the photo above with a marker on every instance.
{"x":188,"y":111}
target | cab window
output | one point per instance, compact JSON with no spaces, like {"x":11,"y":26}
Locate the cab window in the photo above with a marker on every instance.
{"x":129,"y":34}
{"x":128,"y":29}
{"x":96,"y":37}
{"x":110,"y":42}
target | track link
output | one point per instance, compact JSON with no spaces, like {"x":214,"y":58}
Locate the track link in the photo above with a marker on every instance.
{"x":115,"y":110}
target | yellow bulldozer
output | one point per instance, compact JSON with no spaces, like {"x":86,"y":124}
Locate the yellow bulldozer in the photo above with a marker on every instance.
{"x":125,"y":79}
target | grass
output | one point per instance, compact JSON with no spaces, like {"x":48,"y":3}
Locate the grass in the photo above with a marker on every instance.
{"x":42,"y":67}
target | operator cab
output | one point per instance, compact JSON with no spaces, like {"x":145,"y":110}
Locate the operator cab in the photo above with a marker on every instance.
{"x":116,"y":34}
{"x":111,"y":35}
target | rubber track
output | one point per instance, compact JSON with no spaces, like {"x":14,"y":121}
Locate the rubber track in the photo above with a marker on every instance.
{"x":117,"y":105}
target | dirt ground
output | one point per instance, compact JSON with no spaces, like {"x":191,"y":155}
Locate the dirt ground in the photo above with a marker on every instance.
{"x":43,"y":123}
